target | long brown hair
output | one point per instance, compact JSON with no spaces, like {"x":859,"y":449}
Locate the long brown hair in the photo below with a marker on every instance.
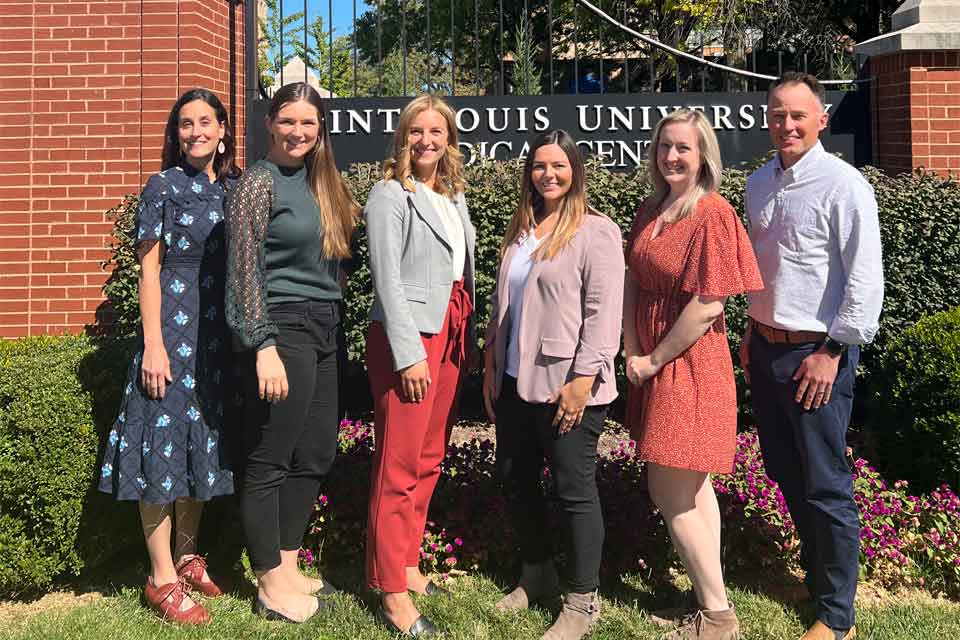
{"x":224,"y":164}
{"x":449,"y":170}
{"x":338,"y":209}
{"x":573,"y":210}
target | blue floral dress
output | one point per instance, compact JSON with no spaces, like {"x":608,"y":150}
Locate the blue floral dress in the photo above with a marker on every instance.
{"x":161,"y":450}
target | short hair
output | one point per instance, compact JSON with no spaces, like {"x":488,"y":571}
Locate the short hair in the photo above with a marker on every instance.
{"x":798,"y":77}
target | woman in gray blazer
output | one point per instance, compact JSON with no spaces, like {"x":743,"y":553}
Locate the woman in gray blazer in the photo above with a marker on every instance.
{"x":554,"y":332}
{"x":421,"y":259}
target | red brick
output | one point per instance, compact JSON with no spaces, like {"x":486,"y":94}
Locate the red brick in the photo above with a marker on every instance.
{"x":945,"y":125}
{"x":13,"y":326}
{"x":945,"y":75}
{"x":79,"y":69}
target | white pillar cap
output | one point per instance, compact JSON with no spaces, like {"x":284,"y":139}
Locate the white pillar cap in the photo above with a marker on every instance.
{"x":919,"y":25}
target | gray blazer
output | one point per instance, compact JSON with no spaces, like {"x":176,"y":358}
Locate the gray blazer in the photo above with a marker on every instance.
{"x":410,"y":261}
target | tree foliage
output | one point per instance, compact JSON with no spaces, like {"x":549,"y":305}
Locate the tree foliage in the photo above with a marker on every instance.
{"x":817,"y":33}
{"x":278,"y":40}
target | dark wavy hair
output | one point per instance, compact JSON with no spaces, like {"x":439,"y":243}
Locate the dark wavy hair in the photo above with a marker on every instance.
{"x":339,"y":212}
{"x":224,"y":164}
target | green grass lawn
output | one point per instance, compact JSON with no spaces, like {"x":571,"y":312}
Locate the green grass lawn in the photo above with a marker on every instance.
{"x":469,"y":614}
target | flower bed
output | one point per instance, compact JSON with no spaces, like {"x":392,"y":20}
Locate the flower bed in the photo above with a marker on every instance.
{"x":906,"y":540}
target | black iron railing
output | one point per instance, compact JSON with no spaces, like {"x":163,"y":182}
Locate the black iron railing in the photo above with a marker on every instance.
{"x":480,"y":47}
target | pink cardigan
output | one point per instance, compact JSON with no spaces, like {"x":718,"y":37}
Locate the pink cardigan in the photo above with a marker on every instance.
{"x":572,"y":315}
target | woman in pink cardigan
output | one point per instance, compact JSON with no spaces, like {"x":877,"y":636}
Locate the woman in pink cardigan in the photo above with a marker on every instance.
{"x":554,"y":332}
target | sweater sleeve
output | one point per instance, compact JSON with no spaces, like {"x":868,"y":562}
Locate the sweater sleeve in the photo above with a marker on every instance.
{"x":247,"y":217}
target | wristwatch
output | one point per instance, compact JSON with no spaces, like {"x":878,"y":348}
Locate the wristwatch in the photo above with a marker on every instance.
{"x":835,"y":347}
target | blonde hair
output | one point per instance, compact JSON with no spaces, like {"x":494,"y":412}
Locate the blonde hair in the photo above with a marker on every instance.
{"x":450,"y":168}
{"x":573,"y":210}
{"x":711,"y":167}
{"x":339,"y":211}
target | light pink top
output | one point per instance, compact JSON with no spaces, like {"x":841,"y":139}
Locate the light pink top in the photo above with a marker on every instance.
{"x":572,"y":313}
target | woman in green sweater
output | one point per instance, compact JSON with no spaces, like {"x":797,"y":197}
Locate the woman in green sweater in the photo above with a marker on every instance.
{"x":289,"y":225}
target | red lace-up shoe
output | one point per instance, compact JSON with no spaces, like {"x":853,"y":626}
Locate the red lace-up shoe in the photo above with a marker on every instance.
{"x":167,"y":599}
{"x":191,"y":570}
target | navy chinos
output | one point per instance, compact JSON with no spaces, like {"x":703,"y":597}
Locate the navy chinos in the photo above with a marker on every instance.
{"x":804,"y":451}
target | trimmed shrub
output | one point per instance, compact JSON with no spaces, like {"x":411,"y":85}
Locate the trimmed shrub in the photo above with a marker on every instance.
{"x":920,"y":231}
{"x":47,"y":453}
{"x":916,"y":393}
{"x":52,"y":391}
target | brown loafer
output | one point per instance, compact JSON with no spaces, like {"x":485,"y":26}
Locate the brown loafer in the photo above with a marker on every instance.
{"x":166,"y":600}
{"x":191,"y":570}
{"x":820,"y":631}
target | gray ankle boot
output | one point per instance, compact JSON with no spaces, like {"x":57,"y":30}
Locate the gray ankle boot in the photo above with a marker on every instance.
{"x":536,"y":581}
{"x":580,"y":612}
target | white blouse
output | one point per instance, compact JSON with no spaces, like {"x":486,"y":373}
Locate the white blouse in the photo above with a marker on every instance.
{"x":453,"y":225}
{"x":520,"y":268}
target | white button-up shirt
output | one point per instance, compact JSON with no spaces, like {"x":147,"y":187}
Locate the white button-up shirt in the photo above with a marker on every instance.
{"x":816,"y":235}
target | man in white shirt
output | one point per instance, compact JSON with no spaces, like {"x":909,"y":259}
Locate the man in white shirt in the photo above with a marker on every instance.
{"x":815,"y":231}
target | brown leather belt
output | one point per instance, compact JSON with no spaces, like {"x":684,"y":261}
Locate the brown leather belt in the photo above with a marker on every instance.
{"x":781,"y":336}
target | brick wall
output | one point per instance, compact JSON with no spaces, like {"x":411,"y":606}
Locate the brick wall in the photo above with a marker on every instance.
{"x":85,"y":89}
{"x":917,"y":111}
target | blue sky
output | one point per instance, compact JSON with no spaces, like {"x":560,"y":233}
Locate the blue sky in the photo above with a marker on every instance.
{"x":342,"y":12}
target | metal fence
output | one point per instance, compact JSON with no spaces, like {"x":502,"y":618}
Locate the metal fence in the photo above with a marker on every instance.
{"x":484,"y":47}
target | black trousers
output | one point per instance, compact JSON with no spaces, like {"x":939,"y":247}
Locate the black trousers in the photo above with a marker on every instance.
{"x":525,"y":438}
{"x":805,"y":453}
{"x":290,"y":445}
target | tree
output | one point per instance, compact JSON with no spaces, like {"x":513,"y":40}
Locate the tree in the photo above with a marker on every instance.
{"x":476,"y":36}
{"x":274,"y":30}
{"x":321,"y":57}
{"x":817,"y":32}
{"x":526,"y":73}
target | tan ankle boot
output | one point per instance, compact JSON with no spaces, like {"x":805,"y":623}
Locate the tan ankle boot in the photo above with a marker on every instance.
{"x":670,"y":617}
{"x":708,"y":625}
{"x":536,"y":581}
{"x":579,"y":613}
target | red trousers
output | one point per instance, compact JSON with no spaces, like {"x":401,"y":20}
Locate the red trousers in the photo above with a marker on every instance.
{"x":411,"y":441}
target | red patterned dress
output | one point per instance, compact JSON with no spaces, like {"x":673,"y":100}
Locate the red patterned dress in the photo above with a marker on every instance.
{"x":686,"y":415}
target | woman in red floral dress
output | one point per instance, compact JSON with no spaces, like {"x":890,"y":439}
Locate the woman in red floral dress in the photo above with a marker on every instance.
{"x":686,"y":253}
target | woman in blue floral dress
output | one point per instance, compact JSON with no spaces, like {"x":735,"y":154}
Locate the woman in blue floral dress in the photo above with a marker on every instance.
{"x":167,"y":448}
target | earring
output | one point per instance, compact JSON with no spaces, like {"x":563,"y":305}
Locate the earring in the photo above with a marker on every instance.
{"x":221,"y":148}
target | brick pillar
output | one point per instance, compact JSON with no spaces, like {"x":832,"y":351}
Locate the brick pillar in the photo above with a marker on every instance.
{"x":87,"y":85}
{"x":915,"y":77}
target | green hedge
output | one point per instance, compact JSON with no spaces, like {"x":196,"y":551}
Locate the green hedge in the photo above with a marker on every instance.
{"x":919,"y":218}
{"x":920,"y":229}
{"x":917,"y":417}
{"x":53,"y":393}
